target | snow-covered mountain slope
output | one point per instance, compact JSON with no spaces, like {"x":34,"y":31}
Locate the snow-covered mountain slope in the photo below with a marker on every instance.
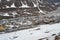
{"x":39,"y":32}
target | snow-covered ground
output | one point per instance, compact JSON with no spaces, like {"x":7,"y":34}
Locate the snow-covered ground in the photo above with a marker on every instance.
{"x":42,"y":31}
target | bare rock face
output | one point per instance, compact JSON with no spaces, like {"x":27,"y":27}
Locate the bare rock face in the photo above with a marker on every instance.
{"x":4,"y":3}
{"x":9,"y":3}
{"x":17,"y":3}
{"x":29,"y":3}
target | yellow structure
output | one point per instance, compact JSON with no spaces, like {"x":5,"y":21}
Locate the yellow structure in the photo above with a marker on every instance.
{"x":2,"y":28}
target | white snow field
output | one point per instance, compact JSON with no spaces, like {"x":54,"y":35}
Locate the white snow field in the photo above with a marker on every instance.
{"x":42,"y":31}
